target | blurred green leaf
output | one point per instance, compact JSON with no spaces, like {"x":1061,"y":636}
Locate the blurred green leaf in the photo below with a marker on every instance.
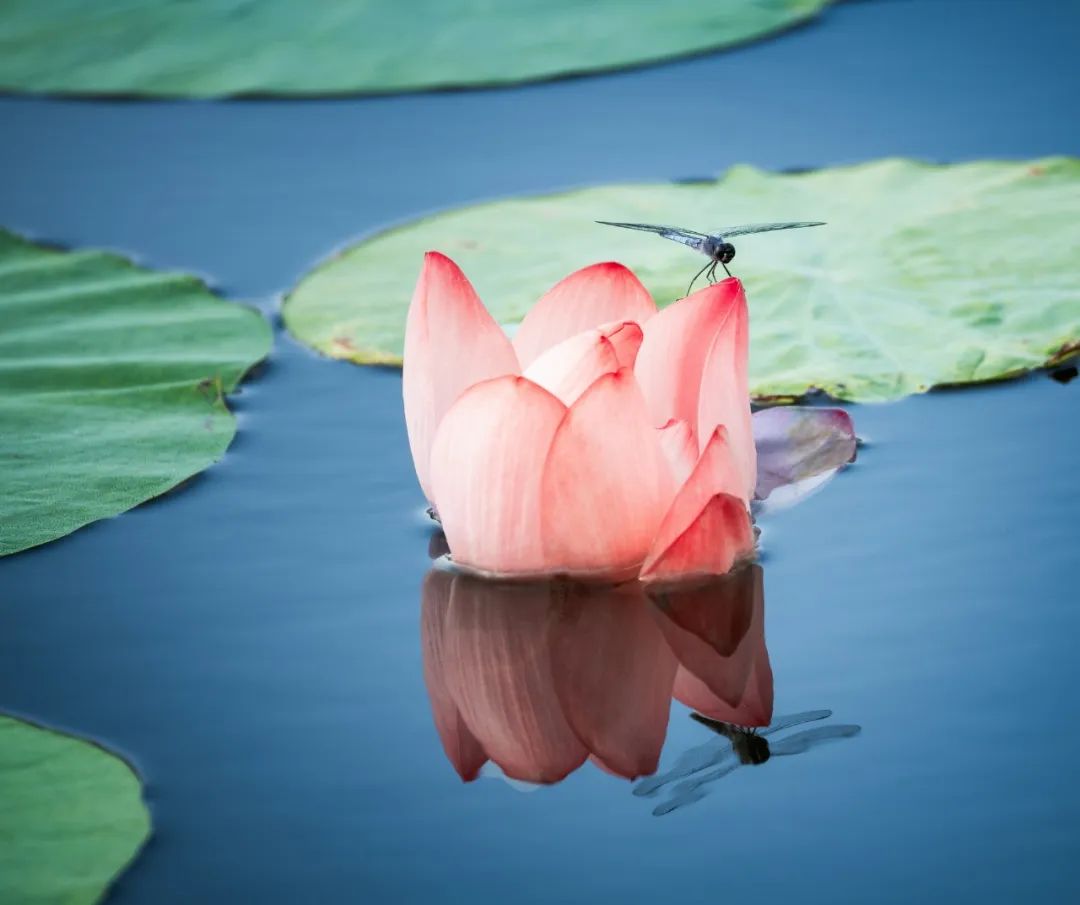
{"x":210,"y":48}
{"x":112,"y":385}
{"x":71,"y":817}
{"x":925,"y":275}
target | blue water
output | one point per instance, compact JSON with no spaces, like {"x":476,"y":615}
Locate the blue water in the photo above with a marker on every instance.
{"x":253,"y":641}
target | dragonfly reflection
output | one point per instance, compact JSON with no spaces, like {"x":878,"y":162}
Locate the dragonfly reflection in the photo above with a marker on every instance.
{"x":715,"y":245}
{"x":737,"y":746}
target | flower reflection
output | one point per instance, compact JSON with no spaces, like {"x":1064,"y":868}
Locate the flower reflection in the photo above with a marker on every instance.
{"x":538,"y":678}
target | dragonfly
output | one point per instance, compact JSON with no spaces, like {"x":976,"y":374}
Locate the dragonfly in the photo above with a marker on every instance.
{"x":737,"y":746}
{"x":715,"y":245}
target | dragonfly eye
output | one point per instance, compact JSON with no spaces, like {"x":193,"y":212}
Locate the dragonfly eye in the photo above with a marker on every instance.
{"x":727,"y":253}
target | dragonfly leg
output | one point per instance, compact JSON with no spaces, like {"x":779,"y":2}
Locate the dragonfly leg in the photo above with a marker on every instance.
{"x":712,"y":272}
{"x":728,"y":272}
{"x":694,"y":280}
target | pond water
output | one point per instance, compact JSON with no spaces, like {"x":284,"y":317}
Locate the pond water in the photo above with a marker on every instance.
{"x":253,"y":642}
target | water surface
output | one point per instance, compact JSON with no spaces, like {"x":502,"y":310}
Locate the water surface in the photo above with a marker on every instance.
{"x":253,"y":642}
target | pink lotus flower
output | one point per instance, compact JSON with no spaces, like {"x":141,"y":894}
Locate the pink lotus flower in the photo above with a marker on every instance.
{"x":607,"y":440}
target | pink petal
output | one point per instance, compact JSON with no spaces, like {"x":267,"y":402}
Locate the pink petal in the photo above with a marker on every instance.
{"x":461,"y":747}
{"x":795,"y":443}
{"x":613,"y":675}
{"x":725,"y":394}
{"x":487,"y":467}
{"x":569,"y":368}
{"x":587,"y":298}
{"x":703,"y":533}
{"x":680,"y":447}
{"x":718,"y":538}
{"x":716,"y":630}
{"x":499,"y":669}
{"x":451,"y":343}
{"x":606,"y":483}
{"x":677,"y":342}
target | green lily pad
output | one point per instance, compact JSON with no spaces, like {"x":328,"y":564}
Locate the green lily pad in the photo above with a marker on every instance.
{"x":71,"y":816}
{"x":925,"y":275}
{"x":112,"y":385}
{"x":211,"y":48}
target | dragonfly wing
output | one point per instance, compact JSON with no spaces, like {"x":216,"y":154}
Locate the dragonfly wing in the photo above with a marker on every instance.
{"x":688,"y":237}
{"x":689,"y":763}
{"x":747,"y":228}
{"x":795,"y":719}
{"x":694,"y":790}
{"x":808,"y":738}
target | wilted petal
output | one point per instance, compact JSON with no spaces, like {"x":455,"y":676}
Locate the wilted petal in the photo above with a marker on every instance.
{"x":676,"y":345}
{"x":613,"y":675}
{"x":725,"y":393}
{"x":569,"y":368}
{"x":499,"y":669}
{"x":461,"y":747}
{"x":487,"y":467}
{"x":587,"y":298}
{"x":795,"y":443}
{"x":606,"y":483}
{"x":451,"y":343}
{"x":680,"y":447}
{"x":703,"y":533}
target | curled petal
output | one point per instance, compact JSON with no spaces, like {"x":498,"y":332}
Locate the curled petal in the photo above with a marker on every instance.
{"x":606,"y":483}
{"x":487,"y":467}
{"x":451,"y":343}
{"x":587,"y":298}
{"x":461,"y":747}
{"x":569,"y":368}
{"x":725,"y":394}
{"x":680,"y":447}
{"x":795,"y":443}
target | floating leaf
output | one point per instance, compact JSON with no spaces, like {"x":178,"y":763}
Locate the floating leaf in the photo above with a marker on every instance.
{"x":210,"y":48}
{"x":925,"y":275}
{"x":71,"y":816}
{"x":112,"y":385}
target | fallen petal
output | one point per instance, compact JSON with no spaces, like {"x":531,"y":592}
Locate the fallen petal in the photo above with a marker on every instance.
{"x":797,"y":442}
{"x":587,"y":298}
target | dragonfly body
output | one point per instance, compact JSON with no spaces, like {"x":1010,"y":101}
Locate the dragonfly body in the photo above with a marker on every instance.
{"x":713,"y":245}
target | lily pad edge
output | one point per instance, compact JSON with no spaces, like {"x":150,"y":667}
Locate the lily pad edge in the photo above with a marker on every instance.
{"x":1068,"y":350}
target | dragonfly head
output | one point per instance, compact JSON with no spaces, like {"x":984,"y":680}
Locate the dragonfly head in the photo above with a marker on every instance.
{"x":725,"y":252}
